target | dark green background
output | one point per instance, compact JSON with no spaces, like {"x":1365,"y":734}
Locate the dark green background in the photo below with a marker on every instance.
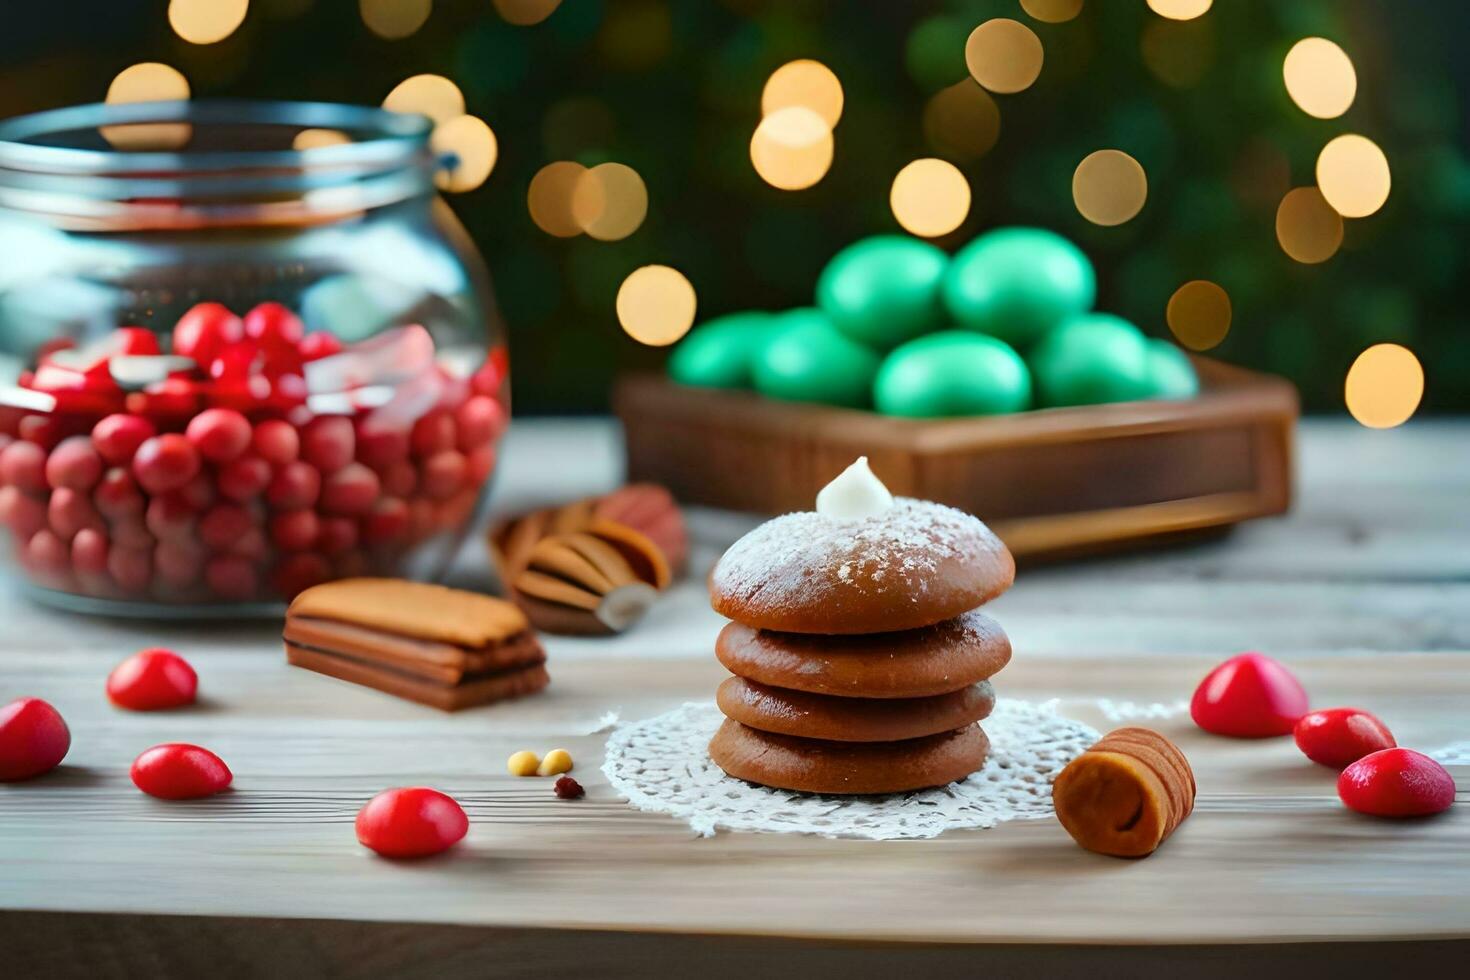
{"x":672,"y":87}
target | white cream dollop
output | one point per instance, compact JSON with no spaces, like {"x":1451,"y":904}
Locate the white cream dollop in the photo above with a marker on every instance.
{"x":855,"y":494}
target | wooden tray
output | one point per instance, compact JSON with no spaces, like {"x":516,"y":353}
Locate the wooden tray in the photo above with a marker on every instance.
{"x":1052,"y":483}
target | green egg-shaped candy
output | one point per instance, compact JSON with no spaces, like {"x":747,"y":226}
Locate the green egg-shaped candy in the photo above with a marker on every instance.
{"x":1018,"y":283}
{"x":718,"y":354}
{"x":807,"y":359}
{"x":1091,"y":359}
{"x":1171,"y":373}
{"x":954,"y":372}
{"x":884,"y":290}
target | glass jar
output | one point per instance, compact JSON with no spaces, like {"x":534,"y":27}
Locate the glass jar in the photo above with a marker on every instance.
{"x":236,"y":360}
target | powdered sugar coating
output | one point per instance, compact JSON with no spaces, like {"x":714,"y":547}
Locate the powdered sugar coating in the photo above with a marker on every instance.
{"x":917,"y":553}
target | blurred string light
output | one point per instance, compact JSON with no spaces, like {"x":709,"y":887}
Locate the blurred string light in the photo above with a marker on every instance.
{"x":609,"y":201}
{"x":1052,"y":11}
{"x":656,"y":305}
{"x":474,"y":149}
{"x":930,"y":197}
{"x":394,"y":19}
{"x":804,"y":83}
{"x":1179,"y":9}
{"x":312,"y":139}
{"x":524,"y":13}
{"x":1307,"y":227}
{"x":792,"y":148}
{"x":1109,"y":187}
{"x":1353,"y":175}
{"x":549,"y":198}
{"x":1384,"y":386}
{"x":149,"y":81}
{"x":206,"y":21}
{"x":429,"y":95}
{"x":1199,"y":314}
{"x":1319,"y":77}
{"x":962,"y":121}
{"x":1003,"y":55}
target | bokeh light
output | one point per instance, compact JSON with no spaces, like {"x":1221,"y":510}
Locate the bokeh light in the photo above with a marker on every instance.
{"x":1003,"y":55}
{"x":550,"y":198}
{"x":656,"y":305}
{"x":1199,"y":314}
{"x":429,"y":95}
{"x":473,"y":144}
{"x":1307,"y":227}
{"x":394,"y":19}
{"x":1353,"y":175}
{"x":1052,"y":11}
{"x":524,"y":13}
{"x":1319,"y":77}
{"x":962,"y":121}
{"x":1179,"y":9}
{"x":206,"y":21}
{"x":1109,"y":187}
{"x":149,"y":81}
{"x":1384,"y":386}
{"x":930,"y":197}
{"x":792,"y":148}
{"x":609,"y":201}
{"x":804,"y":83}
{"x":312,"y":139}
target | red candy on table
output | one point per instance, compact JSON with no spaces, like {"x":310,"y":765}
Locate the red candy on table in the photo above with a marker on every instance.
{"x":1337,"y":737}
{"x":152,"y":680}
{"x":179,"y":771}
{"x":1396,"y":783}
{"x":1249,"y":696}
{"x":33,"y":739}
{"x":411,"y":822}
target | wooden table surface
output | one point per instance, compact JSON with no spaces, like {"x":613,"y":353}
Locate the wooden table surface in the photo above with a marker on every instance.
{"x":1364,"y":589}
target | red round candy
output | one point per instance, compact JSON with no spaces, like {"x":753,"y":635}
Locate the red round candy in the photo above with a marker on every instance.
{"x":177,"y":771}
{"x":41,"y":430}
{"x":117,"y":437}
{"x":74,"y":463}
{"x":170,"y":518}
{"x":294,"y":486}
{"x":1396,"y":783}
{"x":277,"y":442}
{"x":387,"y":522}
{"x":23,"y":514}
{"x":479,"y":420}
{"x":299,"y":572}
{"x":117,"y":494}
{"x":47,"y":555}
{"x":70,"y":511}
{"x":479,"y":464}
{"x":220,"y":434}
{"x":351,"y":490}
{"x":152,"y":680}
{"x":274,"y":327}
{"x":1337,"y":737}
{"x":89,"y":552}
{"x":336,"y":535}
{"x":197,"y":493}
{"x":165,"y":463}
{"x":1249,"y":696}
{"x":252,"y":545}
{"x":131,"y":567}
{"x":133,"y":342}
{"x":33,"y":739}
{"x":295,"y":530}
{"x":444,"y":474}
{"x":411,"y":822}
{"x":224,"y":524}
{"x":382,"y":448}
{"x":328,"y":443}
{"x":245,"y":478}
{"x":434,"y":433}
{"x":205,"y":331}
{"x":23,"y":465}
{"x":401,"y":479}
{"x":317,"y":345}
{"x":178,"y":563}
{"x":231,"y":577}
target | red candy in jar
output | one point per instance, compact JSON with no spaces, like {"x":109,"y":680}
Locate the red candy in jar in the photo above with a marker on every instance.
{"x":179,"y":771}
{"x":152,"y":680}
{"x":411,"y":822}
{"x":205,"y":331}
{"x":1396,"y":783}
{"x":1337,"y":737}
{"x":1249,"y":696}
{"x":165,"y":463}
{"x":33,"y":739}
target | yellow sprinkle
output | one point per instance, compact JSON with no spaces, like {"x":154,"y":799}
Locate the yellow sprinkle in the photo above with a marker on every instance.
{"x":522,"y":764}
{"x":557,"y":761}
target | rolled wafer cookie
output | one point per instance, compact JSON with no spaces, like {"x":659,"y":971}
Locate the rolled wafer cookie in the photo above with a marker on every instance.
{"x":1125,"y":795}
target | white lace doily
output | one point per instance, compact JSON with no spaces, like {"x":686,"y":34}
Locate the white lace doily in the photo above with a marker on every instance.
{"x":662,"y":764}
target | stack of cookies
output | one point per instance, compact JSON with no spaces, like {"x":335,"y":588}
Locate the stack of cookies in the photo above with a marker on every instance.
{"x":861,"y":662}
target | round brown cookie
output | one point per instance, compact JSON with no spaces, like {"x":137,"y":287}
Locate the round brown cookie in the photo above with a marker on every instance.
{"x":915,"y":564}
{"x":784,"y":712}
{"x":915,"y":664}
{"x":813,"y":765}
